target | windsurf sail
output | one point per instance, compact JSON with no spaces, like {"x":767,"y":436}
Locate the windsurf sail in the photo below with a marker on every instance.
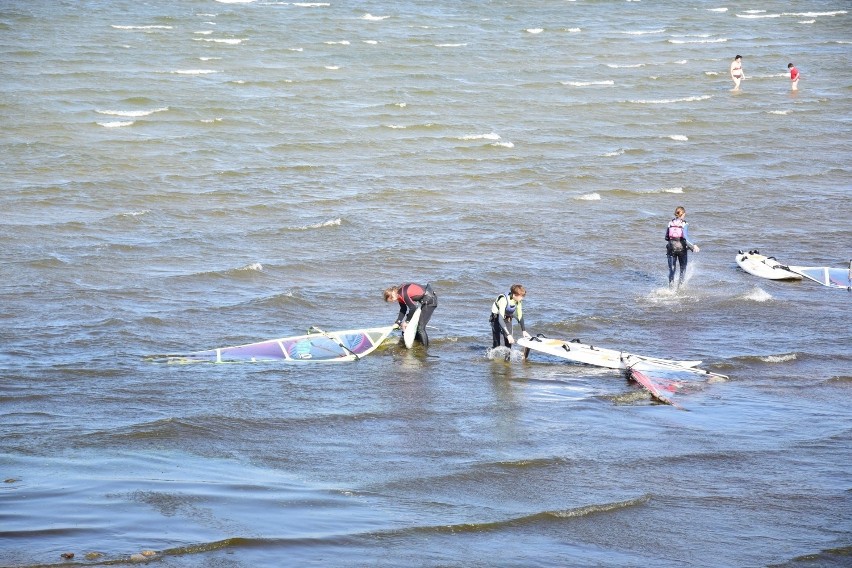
{"x":827,"y":276}
{"x":662,"y":389}
{"x":316,"y":346}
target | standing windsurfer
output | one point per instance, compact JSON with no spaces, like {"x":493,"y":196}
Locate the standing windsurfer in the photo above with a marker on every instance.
{"x":411,"y":296}
{"x":504,"y":308}
{"x":678,"y":244}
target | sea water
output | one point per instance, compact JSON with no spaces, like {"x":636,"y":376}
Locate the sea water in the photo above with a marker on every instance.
{"x":178,"y":176}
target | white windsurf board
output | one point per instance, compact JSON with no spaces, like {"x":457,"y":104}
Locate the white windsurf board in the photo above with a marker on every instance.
{"x":411,"y":329}
{"x":763,"y":266}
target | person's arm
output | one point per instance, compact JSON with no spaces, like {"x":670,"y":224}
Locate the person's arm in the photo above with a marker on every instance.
{"x":689,"y":244}
{"x":401,"y":317}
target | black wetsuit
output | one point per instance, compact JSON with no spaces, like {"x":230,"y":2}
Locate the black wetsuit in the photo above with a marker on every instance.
{"x":411,"y":296}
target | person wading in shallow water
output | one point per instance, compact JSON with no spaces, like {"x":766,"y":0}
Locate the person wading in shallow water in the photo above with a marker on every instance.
{"x":737,"y":73}
{"x":677,"y":245}
{"x":411,"y":296}
{"x":504,"y":308}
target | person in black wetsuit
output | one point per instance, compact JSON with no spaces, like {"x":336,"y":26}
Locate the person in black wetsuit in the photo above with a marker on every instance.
{"x":411,"y":296}
{"x":677,"y":245}
{"x":504,"y":308}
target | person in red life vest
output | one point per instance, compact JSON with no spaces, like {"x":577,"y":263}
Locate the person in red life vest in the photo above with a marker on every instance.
{"x":504,"y":308}
{"x":794,"y":76}
{"x":411,"y":296}
{"x":678,"y":244}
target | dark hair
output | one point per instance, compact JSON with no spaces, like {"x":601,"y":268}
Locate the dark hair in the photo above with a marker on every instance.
{"x":738,"y":57}
{"x":789,"y":65}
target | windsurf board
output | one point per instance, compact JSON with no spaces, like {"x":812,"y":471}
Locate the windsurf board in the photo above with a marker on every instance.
{"x":411,"y":329}
{"x":599,"y":356}
{"x":763,"y":266}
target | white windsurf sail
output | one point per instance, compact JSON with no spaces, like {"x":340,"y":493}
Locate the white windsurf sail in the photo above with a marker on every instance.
{"x":827,"y":276}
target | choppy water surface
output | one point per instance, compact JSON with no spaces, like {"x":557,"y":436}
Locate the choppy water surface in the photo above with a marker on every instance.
{"x":185,"y":175}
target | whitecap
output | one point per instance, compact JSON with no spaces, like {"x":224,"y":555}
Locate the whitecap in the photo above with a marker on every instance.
{"x":341,"y":42}
{"x":757,"y":295}
{"x":371,"y":41}
{"x":669,"y":101}
{"x":717,"y":9}
{"x":450,"y":44}
{"x":489,"y":136}
{"x":781,"y":112}
{"x":401,"y":105}
{"x":228,"y":41}
{"x":632,"y":66}
{"x":395,"y":126}
{"x":779,"y":358}
{"x":142,"y":27}
{"x":588,"y":197}
{"x":193,"y":71}
{"x":574,"y":30}
{"x":534,"y":30}
{"x":587,"y":83}
{"x":618,"y":152}
{"x":373,"y":18}
{"x":116,"y":124}
{"x":332,"y":67}
{"x":645,"y":32}
{"x":673,"y":190}
{"x":135,"y":213}
{"x":256,"y":266}
{"x":758,"y":16}
{"x":204,"y":32}
{"x":131,"y":113}
{"x":504,"y":144}
{"x":679,"y":137}
{"x":329,"y":223}
{"x":209,"y":58}
{"x":686,"y":41}
{"x":814,"y":14}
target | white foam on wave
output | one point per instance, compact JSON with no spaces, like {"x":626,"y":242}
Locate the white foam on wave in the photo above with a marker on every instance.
{"x":757,"y":294}
{"x":193,"y":71}
{"x":781,"y":112}
{"x":588,"y":197}
{"x":502,"y":353}
{"x":717,"y":9}
{"x":534,"y":30}
{"x":329,"y":223}
{"x":209,"y":58}
{"x":679,"y":137}
{"x":401,"y":105}
{"x":588,"y":83}
{"x":814,"y":14}
{"x":255,"y":266}
{"x":341,"y":42}
{"x":372,"y":18}
{"x":755,"y":16}
{"x":135,"y":213}
{"x":573,"y":30}
{"x":204,"y":32}
{"x":141,"y":27}
{"x":489,"y":136}
{"x":370,"y":41}
{"x":503,"y":144}
{"x":131,"y":113}
{"x":670,"y":101}
{"x":645,"y":32}
{"x":625,"y":66}
{"x":227,"y":41}
{"x":450,"y":44}
{"x":673,"y":190}
{"x":116,"y":123}
{"x":689,"y":41}
{"x":618,"y":152}
{"x":779,"y":358}
{"x":332,"y":67}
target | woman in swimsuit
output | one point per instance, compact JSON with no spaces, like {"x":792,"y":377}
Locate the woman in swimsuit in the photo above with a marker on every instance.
{"x":737,"y":73}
